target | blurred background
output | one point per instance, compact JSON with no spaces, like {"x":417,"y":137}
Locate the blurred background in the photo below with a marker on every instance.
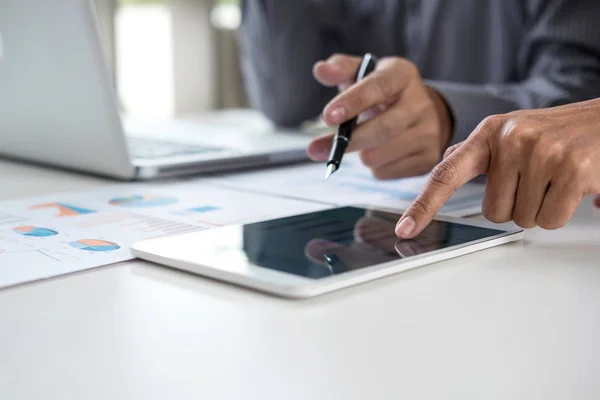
{"x":173,"y":58}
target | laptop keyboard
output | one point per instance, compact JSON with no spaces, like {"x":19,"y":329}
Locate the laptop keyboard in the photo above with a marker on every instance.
{"x":151,"y":149}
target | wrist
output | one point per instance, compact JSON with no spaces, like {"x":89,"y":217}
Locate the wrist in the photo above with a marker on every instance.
{"x":445,"y":117}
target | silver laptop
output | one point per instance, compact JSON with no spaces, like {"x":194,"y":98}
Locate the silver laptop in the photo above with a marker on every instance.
{"x":58,"y":105}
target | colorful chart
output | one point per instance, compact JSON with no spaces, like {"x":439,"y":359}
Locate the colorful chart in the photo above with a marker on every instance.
{"x":197,"y":210}
{"x":64,"y":210}
{"x":95,"y":245}
{"x":146,"y":200}
{"x":34,"y":231}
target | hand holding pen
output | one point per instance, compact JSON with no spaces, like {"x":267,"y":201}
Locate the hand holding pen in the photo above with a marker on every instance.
{"x":407,"y":125}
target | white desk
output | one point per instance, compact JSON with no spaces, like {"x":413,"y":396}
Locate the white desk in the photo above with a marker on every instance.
{"x":517,"y":322}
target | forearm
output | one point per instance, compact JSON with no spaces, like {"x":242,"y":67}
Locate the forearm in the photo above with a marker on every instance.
{"x":281,"y":41}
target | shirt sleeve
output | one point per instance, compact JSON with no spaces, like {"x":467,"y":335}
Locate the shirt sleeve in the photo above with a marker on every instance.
{"x":281,"y":40}
{"x":559,"y":61}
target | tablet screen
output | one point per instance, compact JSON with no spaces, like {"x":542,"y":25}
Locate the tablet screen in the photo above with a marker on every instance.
{"x":330,"y":242}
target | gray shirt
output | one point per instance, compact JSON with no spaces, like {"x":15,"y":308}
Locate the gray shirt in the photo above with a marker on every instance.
{"x":484,"y":56}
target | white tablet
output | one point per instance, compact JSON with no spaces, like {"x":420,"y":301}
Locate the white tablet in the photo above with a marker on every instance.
{"x":310,"y":254}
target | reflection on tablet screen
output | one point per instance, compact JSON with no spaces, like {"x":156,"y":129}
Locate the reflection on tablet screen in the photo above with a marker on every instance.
{"x":334,"y":241}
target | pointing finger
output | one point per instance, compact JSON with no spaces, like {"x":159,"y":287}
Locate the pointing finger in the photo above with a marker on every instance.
{"x":337,"y":70}
{"x":468,"y":161}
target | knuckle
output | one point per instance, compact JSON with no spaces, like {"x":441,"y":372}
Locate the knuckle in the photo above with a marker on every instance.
{"x":550,"y":151}
{"x":385,"y":131}
{"x":425,"y":107}
{"x":445,"y":173}
{"x":357,"y":102}
{"x":420,"y":205}
{"x":396,"y":62}
{"x":578,"y":167}
{"x":525,"y":132}
{"x":410,"y":68}
{"x":489,"y":127}
{"x":515,"y":135}
{"x":493,"y":122}
{"x":384,"y":84}
{"x":403,"y":68}
{"x":578,"y":162}
{"x":511,"y":142}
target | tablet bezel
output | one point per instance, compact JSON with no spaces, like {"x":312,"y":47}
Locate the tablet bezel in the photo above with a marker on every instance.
{"x":183,"y":252}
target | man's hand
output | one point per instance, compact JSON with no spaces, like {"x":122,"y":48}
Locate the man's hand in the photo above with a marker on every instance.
{"x":540,"y":163}
{"x":406,"y":125}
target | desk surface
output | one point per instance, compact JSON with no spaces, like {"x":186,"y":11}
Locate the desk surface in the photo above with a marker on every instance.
{"x":516,"y":322}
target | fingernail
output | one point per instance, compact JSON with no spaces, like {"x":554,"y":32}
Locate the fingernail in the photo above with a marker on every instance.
{"x":405,"y":227}
{"x":337,"y":115}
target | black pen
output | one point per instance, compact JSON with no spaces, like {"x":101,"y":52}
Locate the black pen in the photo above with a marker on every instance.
{"x":344,"y":133}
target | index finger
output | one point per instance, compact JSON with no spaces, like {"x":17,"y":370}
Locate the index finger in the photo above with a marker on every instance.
{"x":336,"y":70}
{"x":382,"y":86}
{"x":468,"y":161}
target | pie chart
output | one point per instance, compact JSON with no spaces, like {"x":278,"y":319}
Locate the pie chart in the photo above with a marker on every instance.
{"x":145,"y":200}
{"x":34,"y":231}
{"x":96,"y":245}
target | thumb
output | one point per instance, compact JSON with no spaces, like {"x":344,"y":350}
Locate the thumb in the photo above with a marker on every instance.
{"x":468,"y":161}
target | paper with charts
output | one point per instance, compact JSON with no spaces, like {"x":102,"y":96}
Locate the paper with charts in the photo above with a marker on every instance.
{"x":61,"y":234}
{"x":352,"y":184}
